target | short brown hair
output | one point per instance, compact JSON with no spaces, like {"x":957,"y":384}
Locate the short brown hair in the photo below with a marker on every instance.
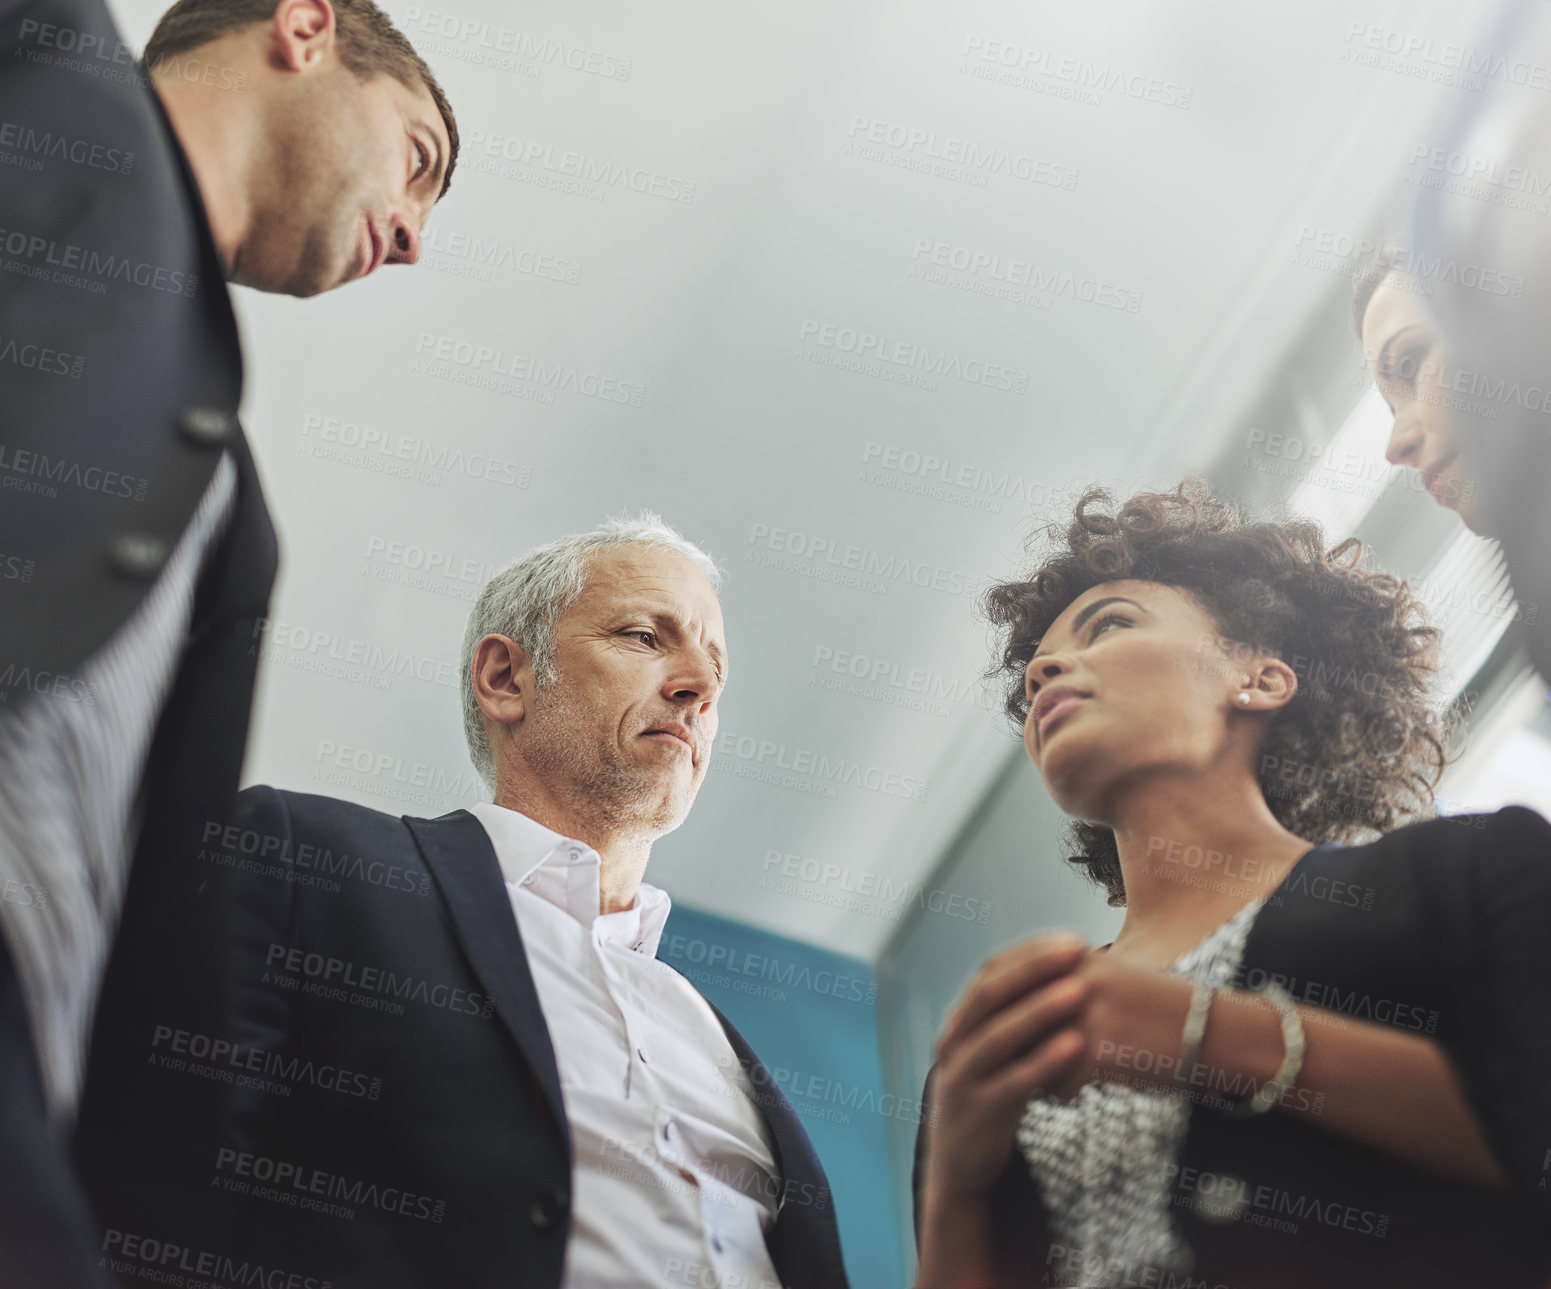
{"x":369,"y":45}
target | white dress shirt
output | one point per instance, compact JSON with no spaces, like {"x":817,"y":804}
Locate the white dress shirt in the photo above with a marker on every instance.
{"x":674,"y":1178}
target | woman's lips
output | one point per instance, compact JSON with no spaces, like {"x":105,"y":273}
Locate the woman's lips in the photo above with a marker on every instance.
{"x":1437,"y":476}
{"x":1058,"y":710}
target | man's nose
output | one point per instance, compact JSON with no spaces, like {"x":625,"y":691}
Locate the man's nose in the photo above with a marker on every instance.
{"x":403,"y":241}
{"x":697,"y":680}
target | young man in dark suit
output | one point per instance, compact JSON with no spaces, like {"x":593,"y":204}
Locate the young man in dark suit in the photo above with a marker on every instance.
{"x":402,"y":1053}
{"x":293,"y":147}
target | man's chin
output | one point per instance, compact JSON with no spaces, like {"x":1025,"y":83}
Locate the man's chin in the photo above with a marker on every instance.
{"x":300,"y":281}
{"x":271,"y":286}
{"x":675,"y":809}
{"x":657,"y":813}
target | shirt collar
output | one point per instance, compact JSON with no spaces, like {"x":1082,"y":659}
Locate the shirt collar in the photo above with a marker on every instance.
{"x":565,"y":872}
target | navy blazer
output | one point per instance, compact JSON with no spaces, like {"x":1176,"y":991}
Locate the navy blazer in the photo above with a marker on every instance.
{"x":1440,"y":928}
{"x":324,"y":1053}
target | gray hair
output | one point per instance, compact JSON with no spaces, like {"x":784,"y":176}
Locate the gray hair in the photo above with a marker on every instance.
{"x":526,"y":598}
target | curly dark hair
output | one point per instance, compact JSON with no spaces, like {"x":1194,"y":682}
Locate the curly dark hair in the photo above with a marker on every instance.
{"x":1364,"y":735}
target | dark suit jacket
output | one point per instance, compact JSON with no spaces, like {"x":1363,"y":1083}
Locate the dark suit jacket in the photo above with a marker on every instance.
{"x":120,"y":376}
{"x":1441,"y":928}
{"x":405,"y":1071}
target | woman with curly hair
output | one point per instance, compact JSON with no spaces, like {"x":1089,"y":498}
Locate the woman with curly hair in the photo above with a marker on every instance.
{"x":1318,"y":1051}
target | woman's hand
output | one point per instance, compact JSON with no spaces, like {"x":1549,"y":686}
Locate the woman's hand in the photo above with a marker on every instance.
{"x":1132,"y":1026}
{"x":1042,"y":1018}
{"x":1012,"y":1036}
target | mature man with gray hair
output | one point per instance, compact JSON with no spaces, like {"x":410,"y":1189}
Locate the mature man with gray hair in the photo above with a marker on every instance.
{"x":464,"y":1065}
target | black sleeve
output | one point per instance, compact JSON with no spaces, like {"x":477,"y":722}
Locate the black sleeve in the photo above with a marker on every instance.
{"x":1504,"y":1054}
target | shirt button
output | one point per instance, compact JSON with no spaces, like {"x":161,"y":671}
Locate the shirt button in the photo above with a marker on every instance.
{"x":208,"y":425}
{"x":716,"y":1244}
{"x":138,"y":555}
{"x":641,"y":1054}
{"x":670,"y":1130}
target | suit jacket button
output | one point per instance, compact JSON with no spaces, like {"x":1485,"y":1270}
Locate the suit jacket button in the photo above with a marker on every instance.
{"x":548,"y":1208}
{"x":137,"y":555}
{"x":209,"y":425}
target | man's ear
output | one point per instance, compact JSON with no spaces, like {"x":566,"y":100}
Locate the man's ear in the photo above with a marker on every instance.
{"x":302,"y":34}
{"x":503,"y":679}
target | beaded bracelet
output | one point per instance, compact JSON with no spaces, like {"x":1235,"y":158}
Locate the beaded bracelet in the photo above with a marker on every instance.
{"x":1292,"y":1057}
{"x":1195,"y":1030}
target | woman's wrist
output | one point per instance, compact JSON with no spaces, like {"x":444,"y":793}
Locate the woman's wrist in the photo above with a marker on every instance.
{"x":1148,"y":1015}
{"x":1239,"y":1050}
{"x":955,"y":1241}
{"x":1243,"y":1047}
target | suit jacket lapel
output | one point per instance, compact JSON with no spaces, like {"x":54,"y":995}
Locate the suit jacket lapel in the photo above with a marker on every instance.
{"x":458,"y":851}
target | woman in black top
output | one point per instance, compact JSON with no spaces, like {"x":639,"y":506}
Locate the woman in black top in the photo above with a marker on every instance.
{"x":1318,"y":1052}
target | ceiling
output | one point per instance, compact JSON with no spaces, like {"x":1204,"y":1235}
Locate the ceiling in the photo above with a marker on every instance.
{"x":811,"y":174}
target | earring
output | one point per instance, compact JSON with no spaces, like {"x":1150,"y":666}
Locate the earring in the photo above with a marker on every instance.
{"x":1243,"y":698}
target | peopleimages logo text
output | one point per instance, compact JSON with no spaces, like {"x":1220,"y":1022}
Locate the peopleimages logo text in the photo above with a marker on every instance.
{"x":862,"y":343}
{"x":82,"y":152}
{"x":95,"y":264}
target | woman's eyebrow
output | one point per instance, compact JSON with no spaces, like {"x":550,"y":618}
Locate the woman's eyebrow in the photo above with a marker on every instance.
{"x":1081,"y":618}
